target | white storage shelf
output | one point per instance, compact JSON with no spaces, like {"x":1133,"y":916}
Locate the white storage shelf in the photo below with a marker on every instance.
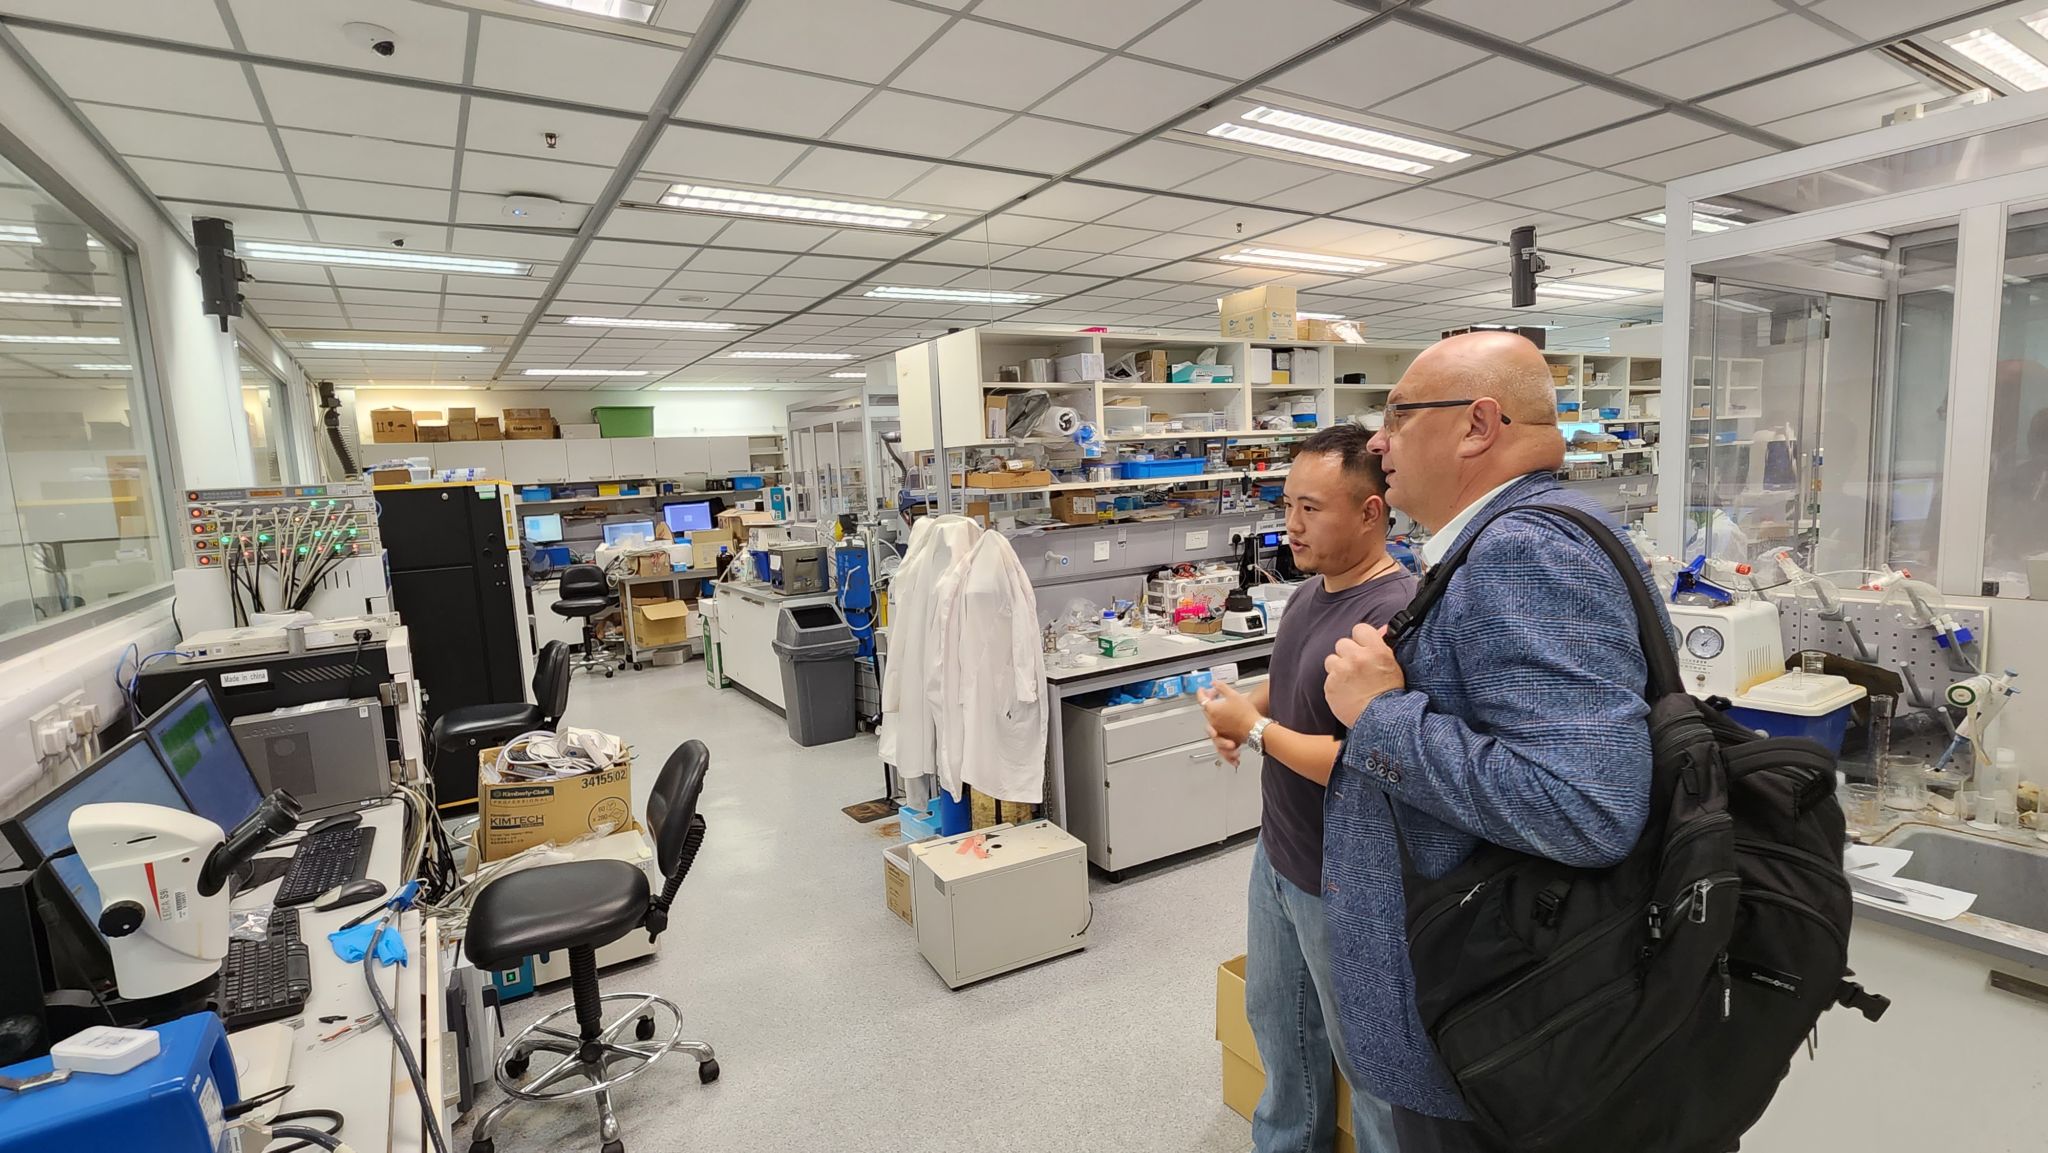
{"x":584,"y":461}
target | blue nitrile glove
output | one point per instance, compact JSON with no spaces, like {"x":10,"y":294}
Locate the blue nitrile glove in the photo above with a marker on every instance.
{"x":351,"y":944}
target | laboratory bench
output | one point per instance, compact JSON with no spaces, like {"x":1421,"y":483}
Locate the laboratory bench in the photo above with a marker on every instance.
{"x":747,"y":618}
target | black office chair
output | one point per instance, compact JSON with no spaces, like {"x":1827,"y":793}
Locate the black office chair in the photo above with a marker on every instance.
{"x":584,"y":592}
{"x":581,"y":906}
{"x":461,"y":732}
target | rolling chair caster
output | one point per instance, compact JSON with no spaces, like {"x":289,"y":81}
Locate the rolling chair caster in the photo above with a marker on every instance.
{"x":613,"y":1147}
{"x":484,"y":1146}
{"x":707,"y":1072}
{"x":516,"y":1066}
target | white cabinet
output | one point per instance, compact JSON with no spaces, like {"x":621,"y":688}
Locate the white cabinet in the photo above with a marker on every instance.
{"x":590,"y":459}
{"x":537,"y":461}
{"x":488,"y":455}
{"x":676,"y":456}
{"x":728,"y":455}
{"x":632,"y":457}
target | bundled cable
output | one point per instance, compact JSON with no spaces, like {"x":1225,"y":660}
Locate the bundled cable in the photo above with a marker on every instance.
{"x":543,"y":754}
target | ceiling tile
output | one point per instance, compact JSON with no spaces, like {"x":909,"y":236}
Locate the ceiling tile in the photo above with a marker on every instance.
{"x":755,"y":264}
{"x":550,"y":60}
{"x":855,"y":242}
{"x":1582,"y":109}
{"x":1851,"y":117}
{"x":254,"y":223}
{"x":700,"y":154}
{"x":1131,"y":95}
{"x":919,"y":125}
{"x":1384,"y":62}
{"x":1717,"y":152}
{"x":1821,"y":86}
{"x":496,"y":175}
{"x":843,"y":173}
{"x":1253,"y":179}
{"x":969,"y":188}
{"x":172,"y":178}
{"x":1562,"y":194}
{"x":1758,"y":50}
{"x":1630,"y":203}
{"x":1041,"y":259}
{"x":1077,"y":202}
{"x":1478,"y":217}
{"x":736,"y":94}
{"x":1331,"y":192}
{"x":1413,"y":204}
{"x":358,"y":107}
{"x":1160,"y":213}
{"x":772,"y":236}
{"x":1160,"y":164}
{"x":1518,"y":22}
{"x":1488,"y":88}
{"x":1110,"y":25}
{"x":1221,"y":36}
{"x":859,"y":39}
{"x":1241,"y":222}
{"x":622,"y":275}
{"x":1503,"y":177}
{"x":1884,"y":19}
{"x":432,"y":40}
{"x":1100,"y":238}
{"x":1039,"y":145}
{"x":653,"y":224}
{"x":113,"y":73}
{"x":366,"y":158}
{"x":991,"y":65}
{"x":142,"y":132}
{"x":1115,"y":265}
{"x":521,"y":130}
{"x":1643,"y":30}
{"x":1637,"y":138}
{"x":1313,"y":234}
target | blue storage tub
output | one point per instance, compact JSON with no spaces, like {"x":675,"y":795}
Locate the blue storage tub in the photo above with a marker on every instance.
{"x":536,"y":492}
{"x":917,"y":824}
{"x":1798,"y":705}
{"x":1152,"y":469}
{"x":749,"y":483}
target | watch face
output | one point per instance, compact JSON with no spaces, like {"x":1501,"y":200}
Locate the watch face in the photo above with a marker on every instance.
{"x":1704,"y":642}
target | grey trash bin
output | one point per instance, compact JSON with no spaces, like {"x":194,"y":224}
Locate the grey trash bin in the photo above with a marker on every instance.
{"x":816,"y":650}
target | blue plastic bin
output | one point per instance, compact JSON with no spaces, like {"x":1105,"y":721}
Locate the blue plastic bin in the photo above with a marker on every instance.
{"x":917,"y":824}
{"x":1154,"y":469}
{"x":536,"y":492}
{"x":749,"y":483}
{"x":1796,"y":705}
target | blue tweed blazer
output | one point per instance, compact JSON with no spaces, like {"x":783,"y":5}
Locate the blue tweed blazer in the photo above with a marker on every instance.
{"x":1523,"y":724}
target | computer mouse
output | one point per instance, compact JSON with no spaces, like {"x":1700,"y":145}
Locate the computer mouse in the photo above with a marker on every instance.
{"x":338,"y":821}
{"x":352,"y":893}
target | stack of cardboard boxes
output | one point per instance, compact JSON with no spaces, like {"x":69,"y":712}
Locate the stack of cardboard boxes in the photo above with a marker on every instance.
{"x":529,"y":424}
{"x":405,"y":426}
{"x":1244,"y":1075}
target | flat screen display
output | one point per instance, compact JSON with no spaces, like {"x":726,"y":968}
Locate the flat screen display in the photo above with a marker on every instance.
{"x":129,"y":772}
{"x":690,"y":516}
{"x":204,"y":760}
{"x":544,"y":529}
{"x":616,"y":535}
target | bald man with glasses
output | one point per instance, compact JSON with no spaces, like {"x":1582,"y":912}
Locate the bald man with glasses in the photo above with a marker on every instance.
{"x":1513,"y":714}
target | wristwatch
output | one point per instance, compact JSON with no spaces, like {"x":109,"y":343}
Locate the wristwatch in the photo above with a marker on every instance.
{"x":1257,"y":737}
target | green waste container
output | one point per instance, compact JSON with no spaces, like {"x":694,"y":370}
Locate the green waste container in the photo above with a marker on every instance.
{"x":623,"y":420}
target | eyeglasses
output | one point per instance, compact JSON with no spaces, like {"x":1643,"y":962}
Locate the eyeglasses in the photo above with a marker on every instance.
{"x":1397,"y":412}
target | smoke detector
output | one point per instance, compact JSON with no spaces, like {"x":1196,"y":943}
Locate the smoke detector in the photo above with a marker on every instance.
{"x":530,"y":209}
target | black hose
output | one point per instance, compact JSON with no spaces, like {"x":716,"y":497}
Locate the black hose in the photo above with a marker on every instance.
{"x":330,"y":416}
{"x":398,"y":1041}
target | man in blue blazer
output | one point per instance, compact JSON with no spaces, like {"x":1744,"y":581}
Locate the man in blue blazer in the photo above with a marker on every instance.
{"x":1514,"y":713}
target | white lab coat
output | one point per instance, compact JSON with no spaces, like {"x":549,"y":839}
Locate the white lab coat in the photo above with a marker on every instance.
{"x":989,"y":683}
{"x":906,"y":737}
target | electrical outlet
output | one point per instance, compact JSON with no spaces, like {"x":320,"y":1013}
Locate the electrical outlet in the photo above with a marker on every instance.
{"x":49,"y":731}
{"x":1240,"y":532}
{"x":1102,"y":550}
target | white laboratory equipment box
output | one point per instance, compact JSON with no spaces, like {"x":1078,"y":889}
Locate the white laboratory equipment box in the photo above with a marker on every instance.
{"x":1015,"y":896}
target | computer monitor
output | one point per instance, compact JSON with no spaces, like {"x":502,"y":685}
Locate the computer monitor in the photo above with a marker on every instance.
{"x":131,"y":772}
{"x":616,"y":535}
{"x":544,"y":529}
{"x":204,"y":760}
{"x":690,"y":516}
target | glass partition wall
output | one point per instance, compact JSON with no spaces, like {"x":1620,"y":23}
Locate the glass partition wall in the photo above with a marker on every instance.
{"x":1869,"y":357}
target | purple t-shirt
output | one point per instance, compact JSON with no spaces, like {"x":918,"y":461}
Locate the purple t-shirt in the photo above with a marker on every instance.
{"x":1310,"y":627}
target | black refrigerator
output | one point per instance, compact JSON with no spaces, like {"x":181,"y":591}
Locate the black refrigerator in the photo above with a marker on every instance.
{"x":457,"y":583}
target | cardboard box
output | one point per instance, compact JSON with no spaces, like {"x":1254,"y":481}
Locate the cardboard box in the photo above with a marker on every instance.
{"x":1313,"y":330}
{"x":1032,"y":479}
{"x":1074,"y":507}
{"x":455,"y":414}
{"x":529,"y":428}
{"x":1264,"y":313}
{"x":704,"y":546}
{"x":580,"y":432}
{"x":651,"y":563}
{"x":995,"y":411}
{"x":529,"y":414}
{"x":738,"y":521}
{"x":1153,"y":366}
{"x":896,"y":881}
{"x":517,"y":815}
{"x":1081,"y":366}
{"x":462,"y":430}
{"x":487,"y":428}
{"x":978,"y":512}
{"x":391,"y":426}
{"x":1244,"y":1075}
{"x":663,"y":622}
{"x":432,"y":434}
{"x":390,"y":476}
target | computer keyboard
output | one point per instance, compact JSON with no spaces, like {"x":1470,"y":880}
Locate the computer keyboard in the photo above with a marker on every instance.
{"x":266,"y":980}
{"x":323,"y":861}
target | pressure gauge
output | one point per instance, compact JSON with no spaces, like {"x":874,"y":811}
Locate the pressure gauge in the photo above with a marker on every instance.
{"x":1704,"y":642}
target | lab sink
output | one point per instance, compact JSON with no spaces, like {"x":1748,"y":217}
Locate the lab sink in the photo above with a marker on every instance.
{"x":2011,"y":881}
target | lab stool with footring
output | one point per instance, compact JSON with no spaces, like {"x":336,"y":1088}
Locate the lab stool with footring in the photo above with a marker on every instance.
{"x":584,"y":592}
{"x":461,"y":733}
{"x":579,"y":907}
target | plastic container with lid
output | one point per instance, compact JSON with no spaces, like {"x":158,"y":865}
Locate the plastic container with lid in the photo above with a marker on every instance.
{"x":1799,"y":705}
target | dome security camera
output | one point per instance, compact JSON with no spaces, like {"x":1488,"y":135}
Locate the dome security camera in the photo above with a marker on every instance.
{"x":377,"y":38}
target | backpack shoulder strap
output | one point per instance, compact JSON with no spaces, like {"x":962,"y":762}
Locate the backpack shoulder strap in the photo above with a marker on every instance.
{"x":1665,"y":679}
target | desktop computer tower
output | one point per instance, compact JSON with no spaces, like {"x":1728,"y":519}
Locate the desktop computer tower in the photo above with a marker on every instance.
{"x":24,"y":972}
{"x":458,"y":582}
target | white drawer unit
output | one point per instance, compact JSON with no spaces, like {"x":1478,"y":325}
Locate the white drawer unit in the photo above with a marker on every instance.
{"x":1020,"y":899}
{"x":1144,"y":783}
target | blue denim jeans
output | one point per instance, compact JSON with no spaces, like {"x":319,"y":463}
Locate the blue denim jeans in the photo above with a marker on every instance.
{"x":1293,"y":1009}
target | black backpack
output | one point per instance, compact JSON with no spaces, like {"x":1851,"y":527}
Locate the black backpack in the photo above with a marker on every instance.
{"x":1654,"y":1005}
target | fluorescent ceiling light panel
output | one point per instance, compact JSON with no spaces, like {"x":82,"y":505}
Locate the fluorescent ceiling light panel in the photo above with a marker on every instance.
{"x":1584,"y":291}
{"x":19,"y":234}
{"x":66,"y":299}
{"x":706,"y":388}
{"x":2004,"y":59}
{"x":754,"y":354}
{"x":413,"y":387}
{"x":1302,"y":261}
{"x":9,"y":338}
{"x":642,"y":322}
{"x":585,"y":372}
{"x":1353,"y":134}
{"x":1699,"y":223}
{"x":951,"y":295}
{"x":628,"y":10}
{"x":1319,"y":149}
{"x":104,"y":367}
{"x":849,"y":376}
{"x":802,"y":209}
{"x":393,"y":258}
{"x":376,"y":346}
{"x":1319,"y":316}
